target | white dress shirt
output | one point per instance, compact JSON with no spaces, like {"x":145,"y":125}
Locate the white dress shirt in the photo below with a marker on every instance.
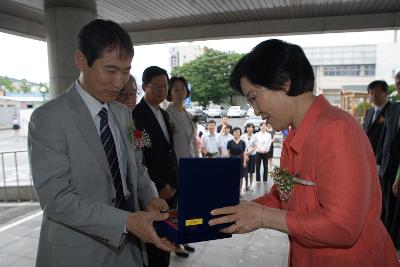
{"x":263,"y":142}
{"x":160,"y":119}
{"x":210,"y":142}
{"x":222,"y":141}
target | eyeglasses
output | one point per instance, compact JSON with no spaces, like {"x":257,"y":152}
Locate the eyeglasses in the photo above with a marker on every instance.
{"x":251,"y":98}
{"x":158,"y":86}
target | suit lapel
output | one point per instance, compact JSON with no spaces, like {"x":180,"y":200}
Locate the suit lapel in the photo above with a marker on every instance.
{"x":368,"y":119}
{"x":120,"y":124}
{"x":84,"y":121}
{"x":153,"y":123}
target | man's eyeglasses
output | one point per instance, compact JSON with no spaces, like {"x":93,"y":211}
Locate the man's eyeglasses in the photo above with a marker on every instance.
{"x":158,"y":86}
{"x":251,"y":98}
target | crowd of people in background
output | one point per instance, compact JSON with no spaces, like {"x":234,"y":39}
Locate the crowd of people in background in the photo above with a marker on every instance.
{"x":382,"y":126}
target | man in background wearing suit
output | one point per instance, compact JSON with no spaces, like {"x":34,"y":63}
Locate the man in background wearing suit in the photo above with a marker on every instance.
{"x":88,"y":176}
{"x":159,"y":158}
{"x":389,"y":160}
{"x":375,"y":116}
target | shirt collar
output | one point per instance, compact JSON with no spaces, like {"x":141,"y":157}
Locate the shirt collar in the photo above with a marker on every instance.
{"x":297,"y":136}
{"x":155,"y":110}
{"x":92,"y":103}
{"x":381,"y":107}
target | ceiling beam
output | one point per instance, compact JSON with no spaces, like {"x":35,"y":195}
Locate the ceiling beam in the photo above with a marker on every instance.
{"x":22,"y":27}
{"x":382,"y":21}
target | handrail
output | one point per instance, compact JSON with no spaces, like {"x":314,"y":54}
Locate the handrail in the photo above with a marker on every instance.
{"x":16,"y":183}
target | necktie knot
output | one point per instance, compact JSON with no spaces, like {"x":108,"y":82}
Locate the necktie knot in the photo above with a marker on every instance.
{"x":103,"y":114}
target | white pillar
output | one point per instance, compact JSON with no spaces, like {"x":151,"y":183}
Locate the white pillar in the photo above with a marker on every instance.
{"x":64,"y":19}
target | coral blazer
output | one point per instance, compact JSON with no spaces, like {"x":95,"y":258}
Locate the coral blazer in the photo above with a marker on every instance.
{"x":335,"y":222}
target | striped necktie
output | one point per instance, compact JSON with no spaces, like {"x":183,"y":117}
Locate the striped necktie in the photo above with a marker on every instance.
{"x":111,"y":153}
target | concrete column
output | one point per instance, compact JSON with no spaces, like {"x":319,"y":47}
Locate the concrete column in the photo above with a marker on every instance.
{"x":64,"y":19}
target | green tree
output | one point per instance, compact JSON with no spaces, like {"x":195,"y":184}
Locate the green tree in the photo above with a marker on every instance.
{"x":209,"y":75}
{"x":7,"y":84}
{"x":24,"y":86}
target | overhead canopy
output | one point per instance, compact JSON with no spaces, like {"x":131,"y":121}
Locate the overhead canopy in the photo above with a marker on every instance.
{"x":160,"y":21}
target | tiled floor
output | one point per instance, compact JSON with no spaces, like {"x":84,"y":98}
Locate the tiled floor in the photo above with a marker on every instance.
{"x":19,"y":240}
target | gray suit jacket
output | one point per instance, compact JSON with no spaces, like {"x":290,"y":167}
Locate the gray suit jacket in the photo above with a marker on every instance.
{"x":71,"y":174}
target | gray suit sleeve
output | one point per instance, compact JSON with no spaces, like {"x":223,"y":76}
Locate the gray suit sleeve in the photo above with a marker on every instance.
{"x":59,"y":198}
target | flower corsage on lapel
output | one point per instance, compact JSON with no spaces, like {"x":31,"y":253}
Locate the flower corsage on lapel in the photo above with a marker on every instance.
{"x":140,"y":138}
{"x":285,"y":182}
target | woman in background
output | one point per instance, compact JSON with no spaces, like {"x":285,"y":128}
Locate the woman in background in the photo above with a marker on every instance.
{"x":236,"y":148}
{"x":270,"y":154}
{"x":251,"y":144}
{"x":183,"y":128}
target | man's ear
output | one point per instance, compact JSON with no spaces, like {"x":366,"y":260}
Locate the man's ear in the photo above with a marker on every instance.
{"x":143,"y":87}
{"x":80,"y":60}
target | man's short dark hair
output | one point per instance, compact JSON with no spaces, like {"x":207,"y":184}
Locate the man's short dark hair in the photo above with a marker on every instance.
{"x":99,"y":36}
{"x":151,"y":72}
{"x":171,"y":83}
{"x":211,"y":122}
{"x":271,"y":64}
{"x":378,"y":83}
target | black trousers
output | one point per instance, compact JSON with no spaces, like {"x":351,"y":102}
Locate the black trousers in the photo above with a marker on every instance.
{"x":261,"y":157}
{"x":157,"y":257}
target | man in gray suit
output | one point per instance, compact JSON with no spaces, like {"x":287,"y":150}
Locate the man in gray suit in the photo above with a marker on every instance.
{"x":88,"y":176}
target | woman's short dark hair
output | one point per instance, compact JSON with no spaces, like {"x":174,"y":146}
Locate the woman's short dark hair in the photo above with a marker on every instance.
{"x":151,"y":72}
{"x":171,"y":84}
{"x":271,"y":64}
{"x":99,"y":36}
{"x":237,"y":129}
{"x":249,"y":125}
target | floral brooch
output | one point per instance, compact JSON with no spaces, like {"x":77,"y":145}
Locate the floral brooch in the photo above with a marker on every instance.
{"x":137,"y":137}
{"x":285,"y":182}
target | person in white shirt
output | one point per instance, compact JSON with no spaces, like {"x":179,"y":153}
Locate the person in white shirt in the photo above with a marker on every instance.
{"x":251,"y":141}
{"x":263,"y":145}
{"x":210,"y":142}
{"x":222,"y":139}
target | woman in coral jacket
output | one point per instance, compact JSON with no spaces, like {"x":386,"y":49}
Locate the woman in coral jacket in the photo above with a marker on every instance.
{"x":327,"y":195}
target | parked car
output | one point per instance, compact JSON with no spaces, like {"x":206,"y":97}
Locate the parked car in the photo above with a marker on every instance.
{"x":235,"y":111}
{"x":201,"y":115}
{"x":216,"y":112}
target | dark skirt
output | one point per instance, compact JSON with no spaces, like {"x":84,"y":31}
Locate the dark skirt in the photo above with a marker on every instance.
{"x":251,"y":165}
{"x":270,"y":153}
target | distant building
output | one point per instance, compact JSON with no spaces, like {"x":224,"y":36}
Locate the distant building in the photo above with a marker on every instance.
{"x":11,"y":106}
{"x":179,"y":55}
{"x":342,"y":69}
